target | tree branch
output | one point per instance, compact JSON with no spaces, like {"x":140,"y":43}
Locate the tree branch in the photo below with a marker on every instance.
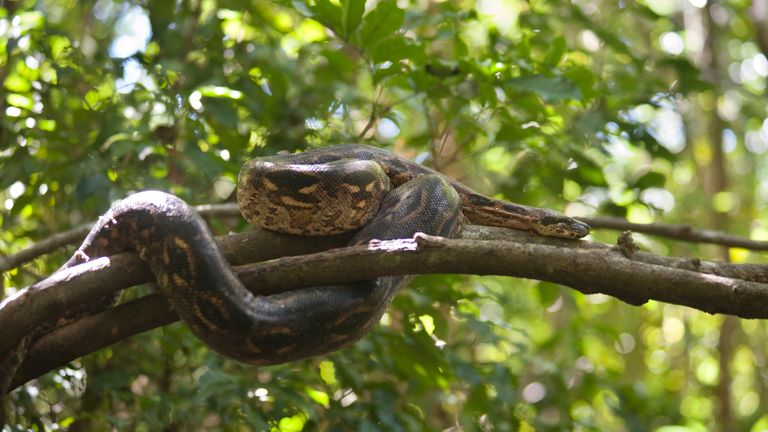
{"x":69,"y":289}
{"x":676,"y":231}
{"x":45,"y":246}
{"x":583,"y":269}
{"x":93,"y":333}
{"x":581,"y":265}
{"x":77,"y":234}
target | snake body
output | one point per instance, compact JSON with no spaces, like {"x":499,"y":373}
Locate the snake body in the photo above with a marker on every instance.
{"x":313,"y":193}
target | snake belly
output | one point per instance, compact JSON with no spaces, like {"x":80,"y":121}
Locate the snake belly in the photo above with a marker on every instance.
{"x":318,"y":192}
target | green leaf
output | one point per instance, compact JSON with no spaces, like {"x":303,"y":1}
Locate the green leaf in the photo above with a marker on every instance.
{"x":60,"y":46}
{"x":329,"y":15}
{"x":395,"y":48}
{"x":587,"y":173}
{"x":220,"y":92}
{"x":352,"y":14}
{"x":556,"y":51}
{"x":46,"y":125}
{"x":548,"y":293}
{"x":328,"y":372}
{"x":20,"y":101}
{"x":385,"y":19}
{"x":651,"y":179}
{"x":690,"y":77}
{"x":551,"y":89}
{"x":318,"y":396}
{"x":17,"y":83}
{"x":29,"y":20}
{"x":643,"y":137}
{"x":292,"y":424}
{"x":585,"y":80}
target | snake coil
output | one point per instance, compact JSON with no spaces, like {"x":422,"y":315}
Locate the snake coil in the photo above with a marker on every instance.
{"x":325,"y":191}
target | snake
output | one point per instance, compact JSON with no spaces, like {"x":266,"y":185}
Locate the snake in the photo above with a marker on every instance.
{"x":347,"y":188}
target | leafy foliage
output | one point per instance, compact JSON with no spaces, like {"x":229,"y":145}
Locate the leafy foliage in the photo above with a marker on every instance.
{"x":587,"y":105}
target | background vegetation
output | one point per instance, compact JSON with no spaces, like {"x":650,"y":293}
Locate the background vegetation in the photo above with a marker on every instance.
{"x":651,"y":110}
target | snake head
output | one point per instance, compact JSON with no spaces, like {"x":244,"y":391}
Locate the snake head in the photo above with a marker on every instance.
{"x":558,"y":225}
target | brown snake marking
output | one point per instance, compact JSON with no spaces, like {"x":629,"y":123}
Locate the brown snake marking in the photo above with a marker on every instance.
{"x":316,"y":192}
{"x":478,"y":208}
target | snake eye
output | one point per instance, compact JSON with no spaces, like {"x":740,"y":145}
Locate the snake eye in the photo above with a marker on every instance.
{"x":579,"y":228}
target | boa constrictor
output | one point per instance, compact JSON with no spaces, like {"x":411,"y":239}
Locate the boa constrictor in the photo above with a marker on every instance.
{"x":317,"y":192}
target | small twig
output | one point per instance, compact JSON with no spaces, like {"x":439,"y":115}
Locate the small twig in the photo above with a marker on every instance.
{"x":384,"y":109}
{"x":677,"y":232}
{"x":373,"y":118}
{"x":77,"y":234}
{"x":45,"y":246}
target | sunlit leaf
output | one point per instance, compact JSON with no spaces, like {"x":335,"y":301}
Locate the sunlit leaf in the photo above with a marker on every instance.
{"x":329,"y":14}
{"x":20,"y":101}
{"x":60,"y":47}
{"x":16,"y":83}
{"x":318,"y":396}
{"x":292,"y":424}
{"x":352,"y":11}
{"x":383,"y":20}
{"x":220,"y":92}
{"x":395,"y":48}
{"x":328,"y":372}
{"x":30,"y":20}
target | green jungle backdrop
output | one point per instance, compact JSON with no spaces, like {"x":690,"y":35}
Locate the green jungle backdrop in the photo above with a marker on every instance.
{"x":653,"y":111}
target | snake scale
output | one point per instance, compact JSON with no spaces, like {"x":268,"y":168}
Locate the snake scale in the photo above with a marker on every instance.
{"x":318,"y":192}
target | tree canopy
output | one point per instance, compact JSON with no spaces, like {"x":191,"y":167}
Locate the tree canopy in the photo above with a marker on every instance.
{"x":650,"y":112}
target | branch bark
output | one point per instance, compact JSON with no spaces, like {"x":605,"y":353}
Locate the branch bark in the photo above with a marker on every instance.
{"x":42,"y":303}
{"x":681,"y":232}
{"x":581,"y":265}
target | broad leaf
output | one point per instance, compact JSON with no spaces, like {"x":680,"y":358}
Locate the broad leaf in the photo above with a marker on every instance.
{"x":383,"y":20}
{"x":352,"y":14}
{"x":329,"y":15}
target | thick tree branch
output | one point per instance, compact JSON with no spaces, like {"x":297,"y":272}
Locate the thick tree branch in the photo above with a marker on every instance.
{"x":93,"y":333}
{"x":674,"y":231}
{"x":585,"y":266}
{"x":584,"y":269}
{"x":69,"y":289}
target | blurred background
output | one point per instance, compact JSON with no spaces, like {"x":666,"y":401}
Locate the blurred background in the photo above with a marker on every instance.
{"x":653,"y":111}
